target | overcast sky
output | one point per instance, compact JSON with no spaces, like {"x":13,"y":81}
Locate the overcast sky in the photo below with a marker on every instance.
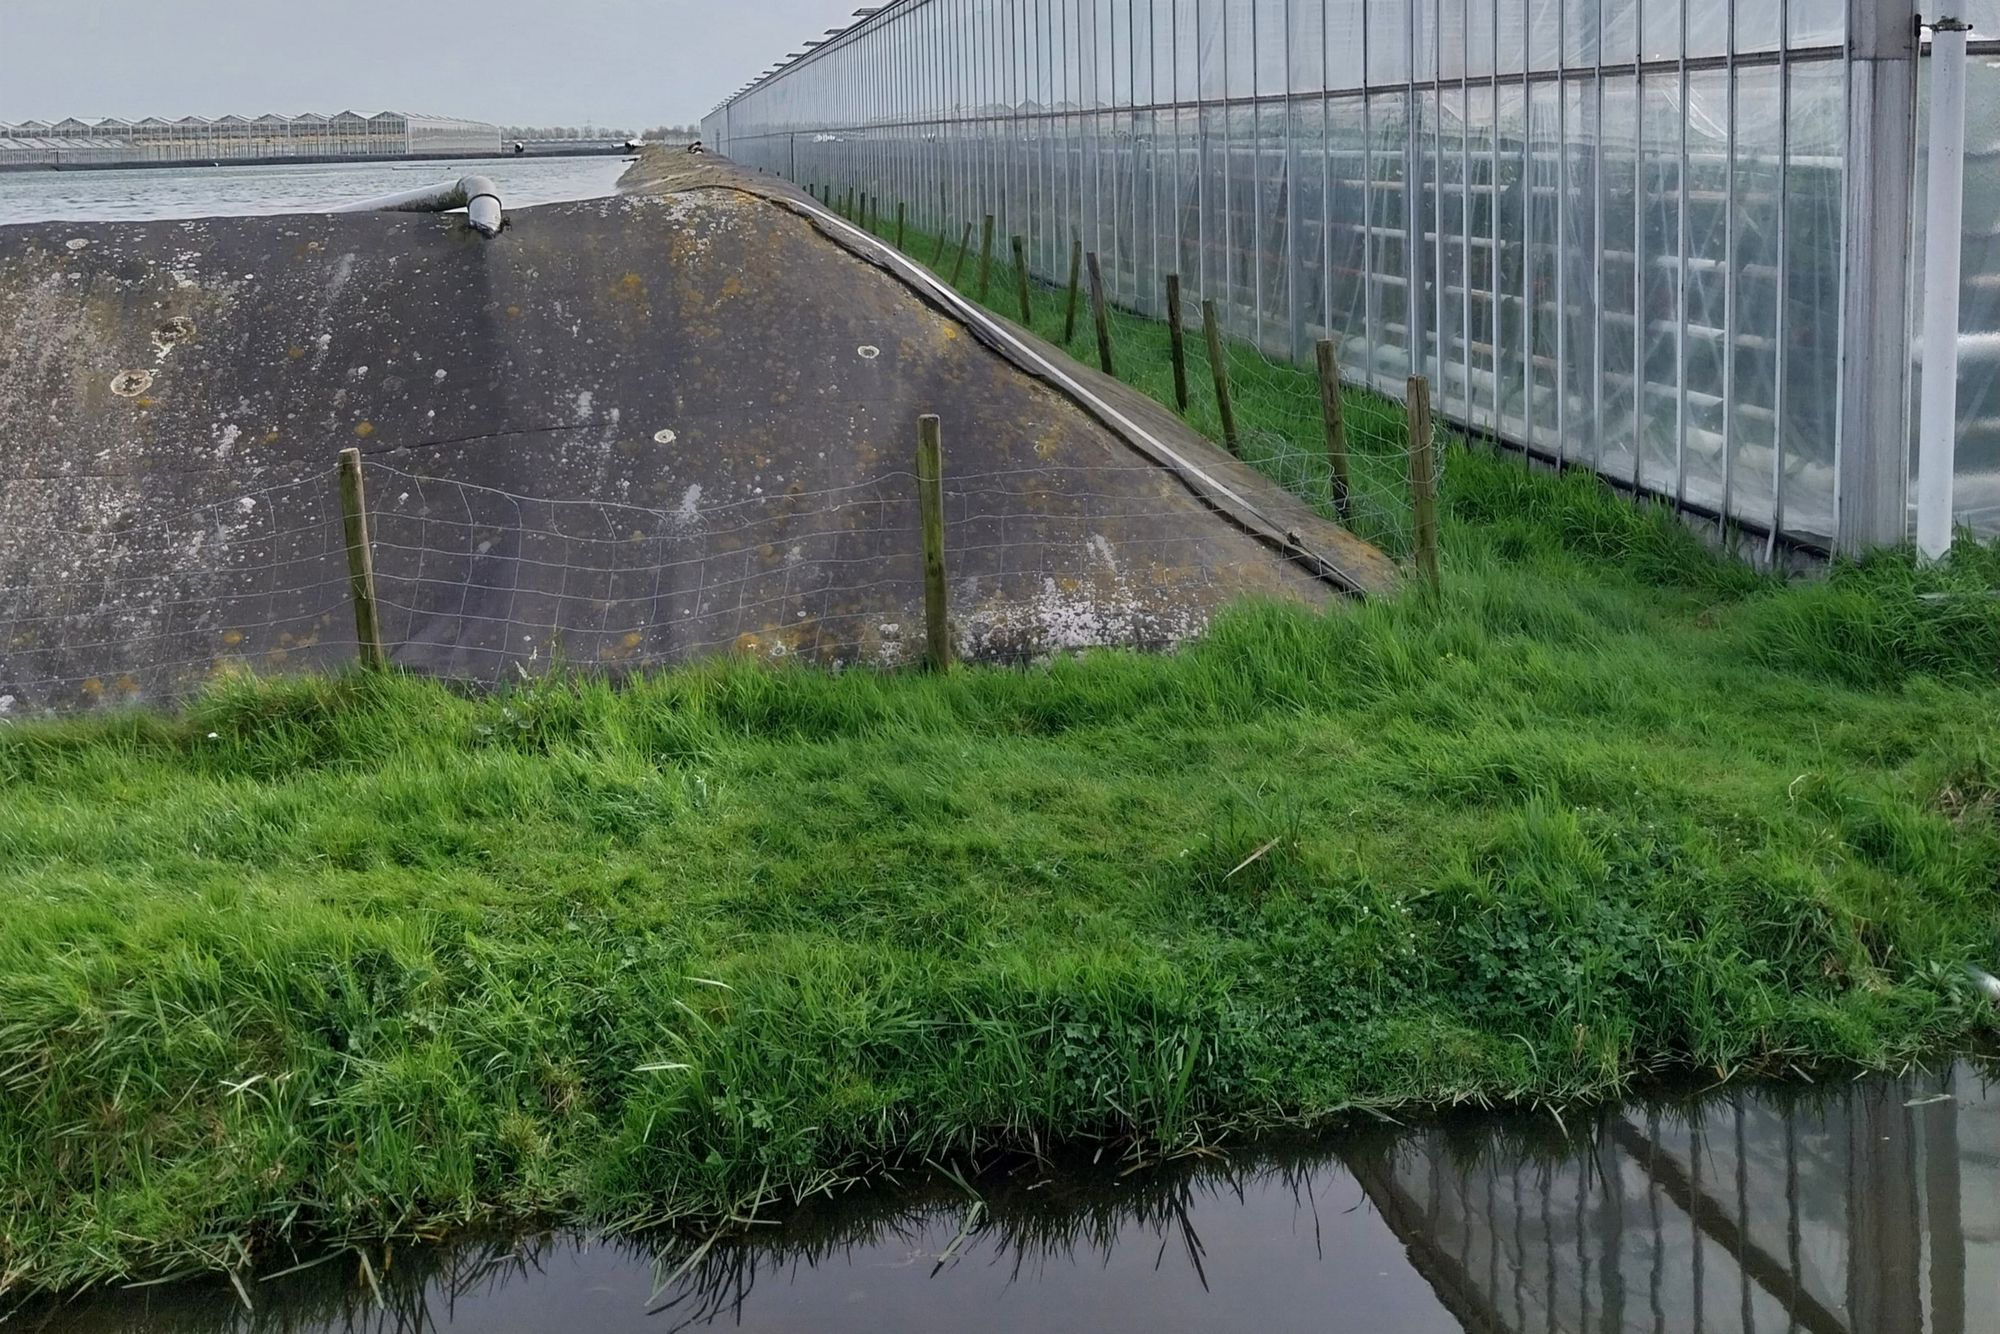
{"x":631,"y":63}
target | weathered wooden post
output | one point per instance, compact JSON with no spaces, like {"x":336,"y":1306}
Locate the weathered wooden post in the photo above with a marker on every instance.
{"x":902,"y":217}
{"x":361,"y":562}
{"x":930,"y":493}
{"x":1336,"y":429}
{"x":986,"y":259}
{"x":1218,"y":363}
{"x":850,"y":202}
{"x":1075,"y":281}
{"x":964,"y":249}
{"x":1098,"y":314}
{"x":1021,"y":280}
{"x":1177,"y":336}
{"x":1423,"y":479}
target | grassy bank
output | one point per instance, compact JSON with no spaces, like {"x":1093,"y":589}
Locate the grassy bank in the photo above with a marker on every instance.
{"x":365,"y":957}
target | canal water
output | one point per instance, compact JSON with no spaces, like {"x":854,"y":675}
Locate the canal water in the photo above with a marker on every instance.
{"x":241,"y":191}
{"x":1847,"y":1208}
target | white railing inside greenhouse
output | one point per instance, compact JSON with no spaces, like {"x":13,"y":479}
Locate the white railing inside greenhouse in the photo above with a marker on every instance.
{"x":1671,"y":240}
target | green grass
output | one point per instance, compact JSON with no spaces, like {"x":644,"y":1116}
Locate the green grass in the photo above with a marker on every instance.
{"x":335,"y":958}
{"x":1277,"y":404}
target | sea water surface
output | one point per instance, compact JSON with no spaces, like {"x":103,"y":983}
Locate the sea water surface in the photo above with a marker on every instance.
{"x":1843,"y":1208}
{"x":241,"y":191}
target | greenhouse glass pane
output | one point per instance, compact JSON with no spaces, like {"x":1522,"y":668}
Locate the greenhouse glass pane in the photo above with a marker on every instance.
{"x":1479,"y":51}
{"x":1817,"y":22}
{"x":1272,"y":32}
{"x":1306,"y":143}
{"x":1346,"y":44}
{"x":1511,"y":35}
{"x":1451,"y":38}
{"x":1620,"y":19}
{"x":1579,"y":243}
{"x":1580,"y":36}
{"x":1511,"y":186}
{"x":1347,"y":221}
{"x":1544,"y":257}
{"x":1388,"y":41}
{"x":1619,"y":199}
{"x":1706,"y":284}
{"x":1388,"y":124}
{"x":1545,"y":33}
{"x":1814,"y":199}
{"x":1307,"y":46}
{"x":1659,"y":311}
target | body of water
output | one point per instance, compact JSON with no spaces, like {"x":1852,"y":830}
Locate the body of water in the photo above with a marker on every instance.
{"x":204,"y":192}
{"x":1853,"y":1208}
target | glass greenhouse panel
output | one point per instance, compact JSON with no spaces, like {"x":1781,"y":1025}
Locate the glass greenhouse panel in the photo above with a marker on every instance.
{"x":1612,"y":231}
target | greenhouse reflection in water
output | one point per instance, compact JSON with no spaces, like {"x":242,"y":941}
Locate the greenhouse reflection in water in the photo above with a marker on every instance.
{"x":1866,"y":1208}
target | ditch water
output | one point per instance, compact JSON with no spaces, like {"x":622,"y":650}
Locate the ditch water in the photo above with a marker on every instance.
{"x":1863,"y":1208}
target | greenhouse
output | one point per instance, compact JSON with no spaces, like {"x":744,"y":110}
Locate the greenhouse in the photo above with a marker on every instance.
{"x":76,"y":143}
{"x":1678,"y":241}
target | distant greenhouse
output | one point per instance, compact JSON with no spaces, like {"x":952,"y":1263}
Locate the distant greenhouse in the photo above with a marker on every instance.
{"x":239,"y":139}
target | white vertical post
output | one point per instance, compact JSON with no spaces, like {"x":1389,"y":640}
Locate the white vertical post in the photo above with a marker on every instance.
{"x":1937,"y":422}
{"x":1872,"y":494}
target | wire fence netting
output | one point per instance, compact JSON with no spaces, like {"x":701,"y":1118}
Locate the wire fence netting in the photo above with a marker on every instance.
{"x":480,"y":583}
{"x":126,"y":601}
{"x":1279,"y":419}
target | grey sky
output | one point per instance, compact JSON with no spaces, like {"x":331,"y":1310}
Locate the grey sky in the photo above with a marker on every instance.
{"x":536,"y":62}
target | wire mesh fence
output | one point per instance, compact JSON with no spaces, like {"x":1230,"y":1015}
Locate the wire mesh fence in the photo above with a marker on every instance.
{"x":132,"y":602}
{"x":483,"y":584}
{"x":479,"y":583}
{"x":1346,"y":452}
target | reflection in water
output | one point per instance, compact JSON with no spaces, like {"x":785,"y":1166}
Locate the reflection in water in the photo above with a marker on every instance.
{"x":1865,"y":1208}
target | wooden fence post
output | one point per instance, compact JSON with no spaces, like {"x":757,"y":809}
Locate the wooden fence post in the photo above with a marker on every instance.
{"x":902,"y":217}
{"x":1178,"y":337}
{"x":930,"y":494}
{"x":964,"y":249}
{"x":850,"y":203}
{"x":1098,"y":314}
{"x":863,"y":219}
{"x":986,"y":259}
{"x":1075,"y":281}
{"x":1021,"y":280}
{"x":360,"y":562}
{"x":1218,"y":363}
{"x":1330,"y":409}
{"x":1423,"y":479}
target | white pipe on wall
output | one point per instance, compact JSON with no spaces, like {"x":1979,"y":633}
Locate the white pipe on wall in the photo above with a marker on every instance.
{"x":1937,"y":420}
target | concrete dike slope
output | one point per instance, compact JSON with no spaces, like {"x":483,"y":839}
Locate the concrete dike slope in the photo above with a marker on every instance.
{"x":626,"y":432}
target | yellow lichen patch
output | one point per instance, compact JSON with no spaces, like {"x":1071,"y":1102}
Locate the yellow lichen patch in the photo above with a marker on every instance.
{"x":513,"y":312}
{"x":278,"y":657}
{"x":749,"y":644}
{"x":364,"y":429}
{"x":271,"y":437}
{"x":732,"y":287}
{"x":634,"y":639}
{"x":128,"y":684}
{"x":1046,"y":447}
{"x":93,"y":687}
{"x":295,"y":353}
{"x":232,"y":638}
